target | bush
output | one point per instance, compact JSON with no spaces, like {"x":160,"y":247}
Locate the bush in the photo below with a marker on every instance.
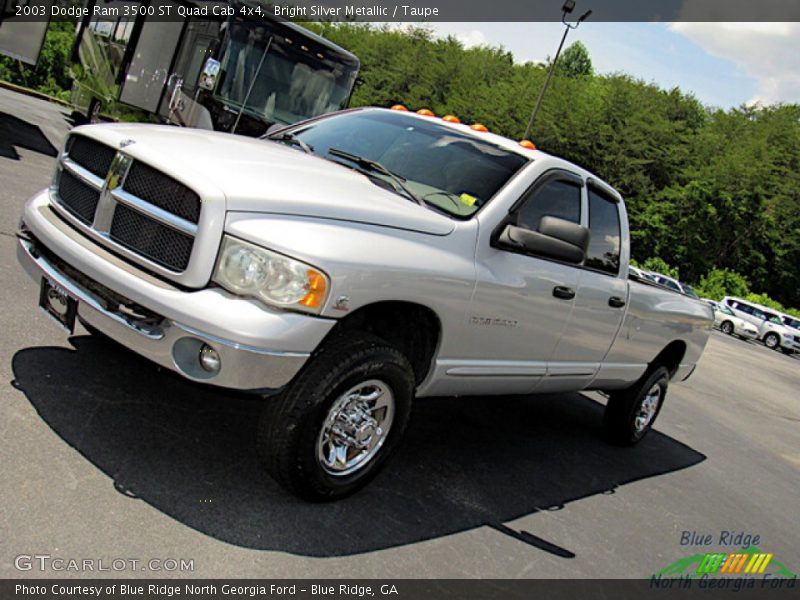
{"x":718,"y":283}
{"x":660,"y":266}
{"x":765,"y":300}
{"x":50,"y":75}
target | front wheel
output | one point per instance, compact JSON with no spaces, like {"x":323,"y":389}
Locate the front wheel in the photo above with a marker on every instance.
{"x":330,"y":431}
{"x":630,"y":413}
{"x":727,"y":327}
{"x":772,"y":341}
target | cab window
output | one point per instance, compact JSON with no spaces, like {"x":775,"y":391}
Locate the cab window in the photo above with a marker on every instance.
{"x":556,"y":198}
{"x":604,"y":245}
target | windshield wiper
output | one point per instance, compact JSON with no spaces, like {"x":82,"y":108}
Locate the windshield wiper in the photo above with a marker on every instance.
{"x":288,"y":136}
{"x":372,"y":165}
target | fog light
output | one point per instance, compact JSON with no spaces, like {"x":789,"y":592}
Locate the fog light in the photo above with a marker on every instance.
{"x":209,"y":359}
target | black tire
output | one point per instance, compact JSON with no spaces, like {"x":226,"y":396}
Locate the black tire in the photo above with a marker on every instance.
{"x":772,"y":341}
{"x":292,"y":423}
{"x":93,"y":112}
{"x":619,"y":420}
{"x":727,"y":327}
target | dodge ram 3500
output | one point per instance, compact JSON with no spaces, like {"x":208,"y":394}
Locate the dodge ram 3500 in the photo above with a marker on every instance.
{"x":345,"y":265}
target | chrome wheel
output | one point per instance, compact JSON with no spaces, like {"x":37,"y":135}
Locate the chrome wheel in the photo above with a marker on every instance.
{"x":771,"y":341}
{"x":647,"y":409}
{"x":355,"y":427}
{"x":727,"y":327}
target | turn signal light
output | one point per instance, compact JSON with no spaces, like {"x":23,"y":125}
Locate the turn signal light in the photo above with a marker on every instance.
{"x":425,"y":112}
{"x":316,"y":290}
{"x":399,"y":107}
{"x":451,"y":119}
{"x":479,"y":127}
{"x":527,"y":144}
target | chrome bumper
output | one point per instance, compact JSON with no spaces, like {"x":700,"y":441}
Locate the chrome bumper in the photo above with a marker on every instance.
{"x":288,"y":338}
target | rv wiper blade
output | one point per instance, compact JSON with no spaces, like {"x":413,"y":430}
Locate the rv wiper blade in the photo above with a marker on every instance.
{"x":288,"y":136}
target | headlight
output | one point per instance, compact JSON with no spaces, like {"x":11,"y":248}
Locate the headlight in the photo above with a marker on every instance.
{"x":249,"y":270}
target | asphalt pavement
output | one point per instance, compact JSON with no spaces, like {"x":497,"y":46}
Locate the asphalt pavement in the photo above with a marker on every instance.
{"x":106,"y":457}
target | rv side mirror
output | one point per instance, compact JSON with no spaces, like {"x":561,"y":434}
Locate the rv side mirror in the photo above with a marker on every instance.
{"x":208,"y":76}
{"x":555,"y":238}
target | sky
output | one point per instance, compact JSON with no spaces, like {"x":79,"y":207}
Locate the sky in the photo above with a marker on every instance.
{"x":722,"y":64}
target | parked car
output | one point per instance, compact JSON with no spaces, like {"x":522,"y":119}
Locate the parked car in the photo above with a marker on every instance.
{"x":792,"y":323}
{"x":771,"y":328}
{"x":674,"y":284}
{"x":729,"y":323}
{"x":350,"y":264}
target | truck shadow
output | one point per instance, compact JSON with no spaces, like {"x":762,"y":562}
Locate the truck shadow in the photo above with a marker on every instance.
{"x":14,"y":132}
{"x":465,"y":463}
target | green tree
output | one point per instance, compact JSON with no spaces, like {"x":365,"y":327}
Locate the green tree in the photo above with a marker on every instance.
{"x":575,"y":62}
{"x":718,"y":283}
{"x":660,"y":266}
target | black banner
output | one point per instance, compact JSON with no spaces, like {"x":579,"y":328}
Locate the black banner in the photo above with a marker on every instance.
{"x":414,"y":10}
{"x":417,"y":589}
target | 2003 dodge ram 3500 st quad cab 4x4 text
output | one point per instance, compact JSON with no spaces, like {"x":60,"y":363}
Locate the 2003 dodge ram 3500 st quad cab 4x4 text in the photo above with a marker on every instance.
{"x":350,"y":263}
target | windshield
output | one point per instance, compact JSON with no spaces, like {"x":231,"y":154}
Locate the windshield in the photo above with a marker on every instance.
{"x":453,"y":172}
{"x":689,"y":290}
{"x":793,"y":323}
{"x":281,"y":79}
{"x":726,"y":310}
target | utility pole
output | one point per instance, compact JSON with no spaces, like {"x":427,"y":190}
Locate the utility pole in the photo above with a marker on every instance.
{"x":569,"y":6}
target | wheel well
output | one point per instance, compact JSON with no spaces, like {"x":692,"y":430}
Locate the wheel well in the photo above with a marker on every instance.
{"x":411,"y":328}
{"x":671,"y":356}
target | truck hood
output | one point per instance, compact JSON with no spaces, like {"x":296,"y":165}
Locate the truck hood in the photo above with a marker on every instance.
{"x":268,"y":177}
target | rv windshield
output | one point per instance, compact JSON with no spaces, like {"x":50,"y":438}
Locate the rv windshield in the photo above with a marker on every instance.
{"x":281,"y":78}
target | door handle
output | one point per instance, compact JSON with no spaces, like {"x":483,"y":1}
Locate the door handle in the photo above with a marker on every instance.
{"x":616,"y":302}
{"x":563,"y":292}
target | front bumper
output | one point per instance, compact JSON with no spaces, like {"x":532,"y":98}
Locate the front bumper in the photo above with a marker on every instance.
{"x":790,"y":345}
{"x":259,"y":349}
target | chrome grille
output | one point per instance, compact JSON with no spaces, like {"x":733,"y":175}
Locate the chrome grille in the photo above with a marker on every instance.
{"x":78,"y":197}
{"x":150,"y":238}
{"x":128,"y":205}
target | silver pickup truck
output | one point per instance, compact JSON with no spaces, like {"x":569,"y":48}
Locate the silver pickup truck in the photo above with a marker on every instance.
{"x":349,"y":264}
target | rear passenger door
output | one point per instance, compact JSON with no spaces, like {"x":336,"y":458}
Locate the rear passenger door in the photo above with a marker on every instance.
{"x":600,"y":298}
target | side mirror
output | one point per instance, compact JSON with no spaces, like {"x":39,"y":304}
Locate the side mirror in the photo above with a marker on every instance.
{"x":208,"y":76}
{"x":556,"y":238}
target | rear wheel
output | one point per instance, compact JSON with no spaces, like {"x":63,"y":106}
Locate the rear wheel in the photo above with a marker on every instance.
{"x":330,"y":431}
{"x":727,"y":327}
{"x":630,"y":413}
{"x":772,"y":341}
{"x":93,"y":112}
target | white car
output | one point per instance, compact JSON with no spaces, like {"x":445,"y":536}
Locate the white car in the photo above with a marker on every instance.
{"x":729,"y":323}
{"x":771,"y":329}
{"x":674,"y":284}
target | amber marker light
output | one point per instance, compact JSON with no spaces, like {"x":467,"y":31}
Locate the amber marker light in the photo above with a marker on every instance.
{"x":399,"y":107}
{"x":425,"y":112}
{"x":479,"y":127}
{"x":317,"y":287}
{"x":527,"y":144}
{"x":451,"y":119}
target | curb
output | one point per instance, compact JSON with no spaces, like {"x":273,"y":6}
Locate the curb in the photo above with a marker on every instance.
{"x":33,"y":93}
